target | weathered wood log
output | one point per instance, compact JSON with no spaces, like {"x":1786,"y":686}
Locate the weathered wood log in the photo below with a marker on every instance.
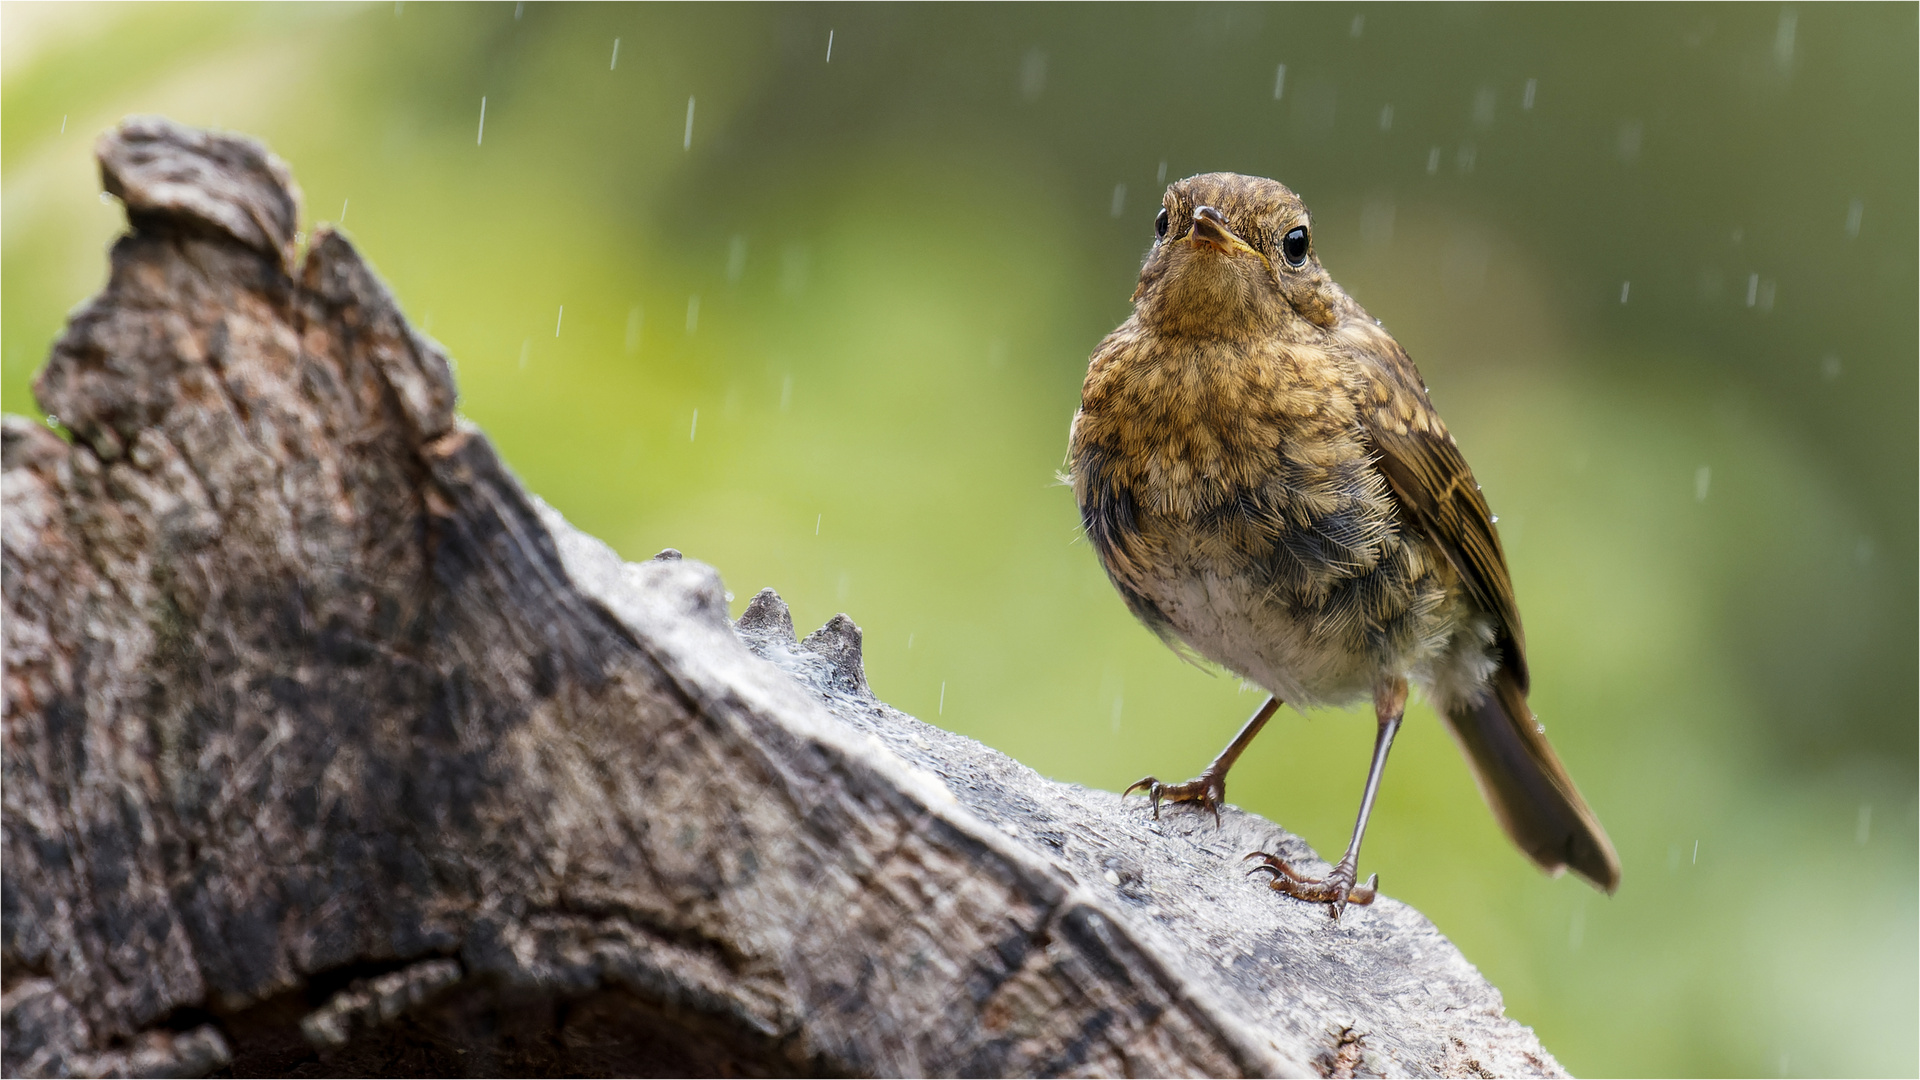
{"x":329,"y":748}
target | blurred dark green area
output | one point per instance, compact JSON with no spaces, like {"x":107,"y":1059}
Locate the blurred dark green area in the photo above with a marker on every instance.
{"x":822,"y":324}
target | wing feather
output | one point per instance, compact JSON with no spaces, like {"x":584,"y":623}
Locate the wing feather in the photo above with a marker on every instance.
{"x":1438,"y":495}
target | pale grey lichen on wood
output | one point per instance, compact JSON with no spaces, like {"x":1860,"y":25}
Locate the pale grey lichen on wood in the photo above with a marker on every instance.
{"x":327,"y":747}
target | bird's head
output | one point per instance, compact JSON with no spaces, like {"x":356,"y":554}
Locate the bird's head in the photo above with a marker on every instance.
{"x":1233,"y":255}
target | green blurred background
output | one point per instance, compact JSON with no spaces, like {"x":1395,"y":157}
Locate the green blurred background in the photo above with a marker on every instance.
{"x":822,"y":324}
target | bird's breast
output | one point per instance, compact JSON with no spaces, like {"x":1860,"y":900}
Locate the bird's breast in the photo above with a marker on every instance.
{"x":1234,"y":501}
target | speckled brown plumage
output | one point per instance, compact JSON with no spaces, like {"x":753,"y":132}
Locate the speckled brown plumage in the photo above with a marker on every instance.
{"x":1261,"y":471}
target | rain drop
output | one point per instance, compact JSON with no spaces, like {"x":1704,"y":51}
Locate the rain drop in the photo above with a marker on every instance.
{"x":1627,"y":142}
{"x":1624,"y":286}
{"x":1526,"y":96}
{"x":615,"y":62}
{"x":695,"y":429}
{"x":829,"y":46}
{"x":1854,"y":210}
{"x":1433,"y":161}
{"x":1119,"y":199}
{"x":343,"y":211}
{"x":686,"y":141}
{"x":1161,"y":177}
{"x":1033,"y":75}
{"x":1279,"y":81}
{"x":1386,"y":118}
{"x":943,"y":700}
{"x":1483,"y":102}
{"x":481,"y":136}
{"x":557,"y":320}
{"x":1702,"y":479}
{"x":736,"y":258}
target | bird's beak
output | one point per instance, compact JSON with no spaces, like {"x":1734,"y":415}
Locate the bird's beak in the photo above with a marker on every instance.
{"x":1210,"y":230}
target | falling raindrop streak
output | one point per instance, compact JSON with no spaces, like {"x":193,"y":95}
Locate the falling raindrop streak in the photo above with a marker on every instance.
{"x":1119,"y":199}
{"x":736,"y":258}
{"x":482,"y":136}
{"x":1854,"y":209}
{"x":525,"y":344}
{"x":943,"y":700}
{"x":686,"y":141}
{"x":1624,"y":286}
{"x":63,"y":131}
{"x":1161,"y":177}
{"x":557,"y":320}
{"x":1433,"y":161}
{"x":829,"y":46}
{"x":695,"y":429}
{"x":1526,"y":96}
{"x":816,"y":523}
{"x":343,"y":211}
{"x":615,"y":62}
{"x":1386,"y":118}
{"x":1702,"y":480}
{"x":1279,"y":81}
{"x":1753,"y":289}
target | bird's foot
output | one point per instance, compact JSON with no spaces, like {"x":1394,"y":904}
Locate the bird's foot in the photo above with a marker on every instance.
{"x":1336,"y":890}
{"x":1209,"y":789}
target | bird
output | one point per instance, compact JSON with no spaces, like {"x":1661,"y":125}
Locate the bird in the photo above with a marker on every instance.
{"x":1261,"y":470}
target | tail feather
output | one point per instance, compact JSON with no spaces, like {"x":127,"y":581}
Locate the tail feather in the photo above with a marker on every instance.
{"x":1528,"y":789}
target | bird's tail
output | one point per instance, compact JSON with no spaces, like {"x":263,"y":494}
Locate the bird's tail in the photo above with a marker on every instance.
{"x":1527,"y":788}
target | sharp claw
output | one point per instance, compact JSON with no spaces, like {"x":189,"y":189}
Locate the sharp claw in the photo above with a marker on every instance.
{"x":1364,"y":894}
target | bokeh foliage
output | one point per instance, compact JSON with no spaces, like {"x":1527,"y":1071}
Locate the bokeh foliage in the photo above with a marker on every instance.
{"x":1657,"y":264}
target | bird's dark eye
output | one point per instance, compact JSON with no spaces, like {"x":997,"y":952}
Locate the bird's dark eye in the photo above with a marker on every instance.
{"x":1160,"y":224}
{"x":1294,"y":247}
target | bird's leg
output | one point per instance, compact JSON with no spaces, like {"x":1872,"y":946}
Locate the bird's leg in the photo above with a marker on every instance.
{"x":1337,"y":889}
{"x":1209,"y":789}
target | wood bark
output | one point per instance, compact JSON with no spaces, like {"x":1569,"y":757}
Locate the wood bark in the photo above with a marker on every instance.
{"x":331,"y":750}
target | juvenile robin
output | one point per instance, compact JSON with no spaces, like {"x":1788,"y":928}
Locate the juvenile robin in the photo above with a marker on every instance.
{"x":1262,"y":474}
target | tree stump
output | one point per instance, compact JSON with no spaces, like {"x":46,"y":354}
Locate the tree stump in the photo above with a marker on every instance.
{"x":330,"y":750}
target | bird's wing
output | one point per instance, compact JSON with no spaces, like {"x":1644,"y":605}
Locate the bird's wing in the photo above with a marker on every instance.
{"x":1436,"y":490}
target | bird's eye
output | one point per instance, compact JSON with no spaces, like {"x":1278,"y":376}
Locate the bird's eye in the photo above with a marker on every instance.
{"x":1160,"y":224}
{"x":1294,"y":247}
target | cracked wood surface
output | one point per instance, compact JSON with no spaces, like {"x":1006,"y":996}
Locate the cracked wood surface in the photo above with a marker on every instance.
{"x":329,"y":749}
